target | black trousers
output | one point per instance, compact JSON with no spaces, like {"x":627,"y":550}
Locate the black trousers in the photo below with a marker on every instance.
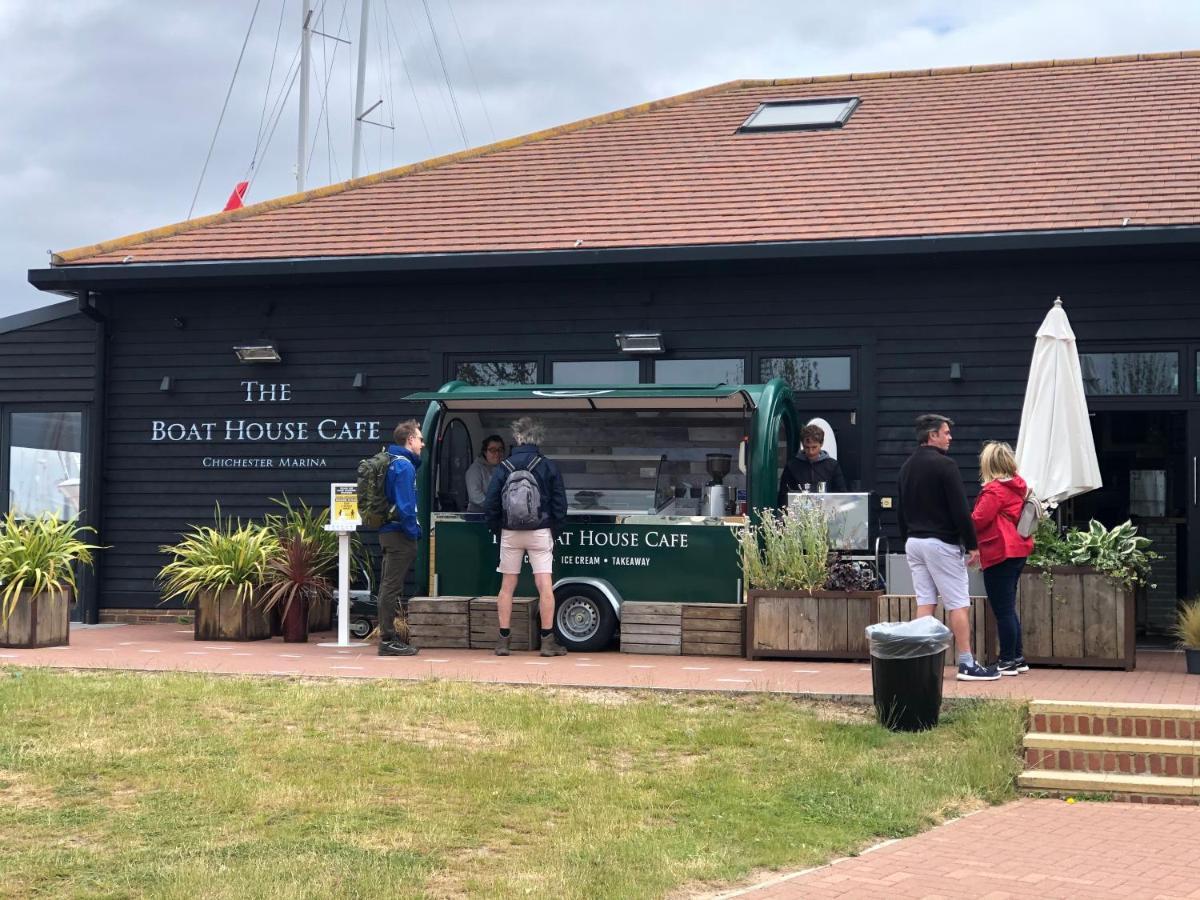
{"x":1000,"y":581}
{"x":399,"y":551}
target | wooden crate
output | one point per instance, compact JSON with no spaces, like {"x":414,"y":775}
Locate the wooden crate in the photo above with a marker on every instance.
{"x":799,"y":625}
{"x":41,"y":620}
{"x":652,"y":628}
{"x":903,"y":608}
{"x":1081,"y":619}
{"x":525,"y":624}
{"x":439,"y":621}
{"x":714,"y":629}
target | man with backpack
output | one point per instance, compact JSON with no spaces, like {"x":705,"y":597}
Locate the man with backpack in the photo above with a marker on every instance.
{"x":398,"y":536}
{"x":526,"y":506}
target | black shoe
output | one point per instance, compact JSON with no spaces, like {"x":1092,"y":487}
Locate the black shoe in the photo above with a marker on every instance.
{"x":397,"y":648}
{"x":1022,"y":666}
{"x":1009,"y":667}
{"x":976,"y":672}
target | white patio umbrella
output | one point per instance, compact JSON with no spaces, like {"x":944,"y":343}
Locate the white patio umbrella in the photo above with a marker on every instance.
{"x":1055,"y":452}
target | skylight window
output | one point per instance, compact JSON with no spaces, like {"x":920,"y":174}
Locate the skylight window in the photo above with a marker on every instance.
{"x":801,"y":115}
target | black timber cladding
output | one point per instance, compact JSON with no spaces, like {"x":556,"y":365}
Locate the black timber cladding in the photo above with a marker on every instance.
{"x":908,"y":322}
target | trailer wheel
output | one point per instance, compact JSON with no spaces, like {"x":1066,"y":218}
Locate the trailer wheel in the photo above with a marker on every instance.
{"x":583,"y":618}
{"x":360,"y":628}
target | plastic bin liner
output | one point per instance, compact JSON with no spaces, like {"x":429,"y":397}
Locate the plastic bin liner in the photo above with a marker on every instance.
{"x":908,"y":640}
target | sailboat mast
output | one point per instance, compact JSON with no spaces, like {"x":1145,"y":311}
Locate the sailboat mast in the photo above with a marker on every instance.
{"x":305,"y":40}
{"x":359,"y":112}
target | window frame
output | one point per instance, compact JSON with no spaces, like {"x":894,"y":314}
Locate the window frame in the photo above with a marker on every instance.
{"x":851,"y":104}
{"x":1181,"y":354}
{"x":814,"y":353}
{"x":455,"y":360}
{"x":85,"y":448}
{"x":698,"y":357}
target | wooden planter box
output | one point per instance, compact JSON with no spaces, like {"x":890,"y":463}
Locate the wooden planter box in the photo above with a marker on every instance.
{"x":485,"y":624}
{"x":38,"y":621}
{"x":821,"y":625}
{"x":652,"y":628}
{"x":219,"y":617}
{"x":320,"y":614}
{"x":714,"y":629}
{"x":1082,"y":620}
{"x":903,"y":608}
{"x":440,"y":622}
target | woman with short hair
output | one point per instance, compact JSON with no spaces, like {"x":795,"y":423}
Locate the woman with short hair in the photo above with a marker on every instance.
{"x":479,"y":475}
{"x":1002,"y":551}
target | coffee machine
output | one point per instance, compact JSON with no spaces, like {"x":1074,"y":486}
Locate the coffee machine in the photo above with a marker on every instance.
{"x":715,"y":499}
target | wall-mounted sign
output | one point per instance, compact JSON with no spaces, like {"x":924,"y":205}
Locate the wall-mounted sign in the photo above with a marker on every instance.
{"x":343,"y":507}
{"x":243,"y":430}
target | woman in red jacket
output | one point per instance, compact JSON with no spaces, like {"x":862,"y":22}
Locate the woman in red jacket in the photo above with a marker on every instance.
{"x":1002,"y":551}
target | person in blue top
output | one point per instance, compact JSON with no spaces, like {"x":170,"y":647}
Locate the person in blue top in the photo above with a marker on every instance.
{"x":398,"y":537}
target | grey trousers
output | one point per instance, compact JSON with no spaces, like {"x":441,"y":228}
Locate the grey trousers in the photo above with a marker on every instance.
{"x":399,"y":551}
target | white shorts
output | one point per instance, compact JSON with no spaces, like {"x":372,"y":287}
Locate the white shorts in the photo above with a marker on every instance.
{"x":938,"y":568}
{"x":539,"y":544}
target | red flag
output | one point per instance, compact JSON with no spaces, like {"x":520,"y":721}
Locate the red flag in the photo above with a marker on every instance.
{"x":235,"y":199}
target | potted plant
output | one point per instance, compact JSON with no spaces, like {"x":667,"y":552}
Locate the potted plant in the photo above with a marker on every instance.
{"x":295,"y":582}
{"x":803,"y":601}
{"x":1076,"y":597}
{"x":38,"y":557}
{"x":1187,"y":629}
{"x":221,"y":568}
{"x":298,"y":519}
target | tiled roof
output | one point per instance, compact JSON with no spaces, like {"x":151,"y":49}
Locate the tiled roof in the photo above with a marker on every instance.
{"x":1067,"y":144}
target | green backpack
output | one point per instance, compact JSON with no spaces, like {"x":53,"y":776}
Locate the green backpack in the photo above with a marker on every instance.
{"x":373,"y":505}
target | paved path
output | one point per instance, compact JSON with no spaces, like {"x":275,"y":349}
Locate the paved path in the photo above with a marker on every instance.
{"x":1029,"y":849}
{"x":1159,"y":677}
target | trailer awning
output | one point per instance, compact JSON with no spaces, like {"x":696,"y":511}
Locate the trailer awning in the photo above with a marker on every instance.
{"x":464,"y":397}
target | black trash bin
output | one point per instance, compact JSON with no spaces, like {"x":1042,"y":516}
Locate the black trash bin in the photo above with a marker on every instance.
{"x":907,"y":661}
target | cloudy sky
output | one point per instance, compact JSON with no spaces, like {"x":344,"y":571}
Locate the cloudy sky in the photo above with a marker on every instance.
{"x":108,"y":108}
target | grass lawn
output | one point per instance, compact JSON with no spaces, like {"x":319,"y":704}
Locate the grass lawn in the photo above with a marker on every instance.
{"x":182,"y":785}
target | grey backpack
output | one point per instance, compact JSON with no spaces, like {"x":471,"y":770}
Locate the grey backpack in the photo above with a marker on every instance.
{"x":1031,"y":514}
{"x":521,"y":497}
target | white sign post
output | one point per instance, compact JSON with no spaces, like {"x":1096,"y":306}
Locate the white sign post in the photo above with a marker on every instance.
{"x":344,"y":519}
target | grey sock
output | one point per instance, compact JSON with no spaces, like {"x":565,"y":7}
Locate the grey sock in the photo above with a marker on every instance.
{"x":966,"y":658}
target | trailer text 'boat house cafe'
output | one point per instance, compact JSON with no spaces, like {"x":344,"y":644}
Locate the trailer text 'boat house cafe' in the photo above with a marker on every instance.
{"x":885,"y":244}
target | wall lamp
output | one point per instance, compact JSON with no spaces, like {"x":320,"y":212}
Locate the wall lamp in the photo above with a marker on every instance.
{"x":259,"y":351}
{"x":167,"y":384}
{"x":955,"y":371}
{"x":360,"y":381}
{"x":640,"y":342}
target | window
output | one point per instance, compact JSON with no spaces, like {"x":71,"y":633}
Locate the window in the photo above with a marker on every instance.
{"x":801,"y":115}
{"x":485,"y":374}
{"x":45,"y":455}
{"x":1130,"y":374}
{"x":808,"y":374}
{"x":599,"y":371}
{"x":699,"y":371}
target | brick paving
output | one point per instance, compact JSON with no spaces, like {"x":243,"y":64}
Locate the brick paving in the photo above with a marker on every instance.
{"x":1028,"y":849}
{"x":1158,"y":678}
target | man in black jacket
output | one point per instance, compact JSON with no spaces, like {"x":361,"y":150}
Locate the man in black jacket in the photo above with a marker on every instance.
{"x":812,"y":466}
{"x":534,"y":535}
{"x":939,"y":537}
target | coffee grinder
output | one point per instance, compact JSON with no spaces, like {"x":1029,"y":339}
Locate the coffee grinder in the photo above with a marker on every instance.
{"x":718,"y":465}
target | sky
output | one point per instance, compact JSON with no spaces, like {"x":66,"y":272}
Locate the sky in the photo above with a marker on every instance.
{"x":109,"y":109}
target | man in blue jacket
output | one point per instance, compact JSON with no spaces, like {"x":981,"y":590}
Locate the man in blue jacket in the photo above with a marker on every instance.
{"x":527,"y":530}
{"x":398,"y":537}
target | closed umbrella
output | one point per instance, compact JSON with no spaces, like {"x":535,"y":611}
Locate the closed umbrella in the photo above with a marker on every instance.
{"x":1055,"y":452}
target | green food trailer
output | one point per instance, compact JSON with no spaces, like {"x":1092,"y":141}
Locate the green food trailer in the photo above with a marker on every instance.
{"x":659,"y":478}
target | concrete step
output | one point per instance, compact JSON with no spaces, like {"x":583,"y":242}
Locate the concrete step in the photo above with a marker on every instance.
{"x":1136,"y":788}
{"x":1144,"y":720}
{"x":1103,"y":753}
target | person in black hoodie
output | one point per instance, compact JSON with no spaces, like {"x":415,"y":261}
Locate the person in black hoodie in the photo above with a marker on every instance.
{"x":811,"y":466}
{"x":939,"y":536}
{"x":535,"y":537}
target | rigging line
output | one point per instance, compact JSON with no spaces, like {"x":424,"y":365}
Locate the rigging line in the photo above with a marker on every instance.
{"x":427,"y":63}
{"x":471,"y":69}
{"x":291,"y":84}
{"x":325,"y":93}
{"x":262,"y":116}
{"x":408,"y":75}
{"x":277,"y":106}
{"x":224,"y":106}
{"x":384,"y":42}
{"x":437,"y":45}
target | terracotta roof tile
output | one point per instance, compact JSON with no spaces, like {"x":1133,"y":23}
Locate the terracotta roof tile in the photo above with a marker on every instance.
{"x":1058,"y":144}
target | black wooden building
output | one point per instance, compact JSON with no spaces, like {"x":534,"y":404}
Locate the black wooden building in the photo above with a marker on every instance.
{"x":895,"y":260}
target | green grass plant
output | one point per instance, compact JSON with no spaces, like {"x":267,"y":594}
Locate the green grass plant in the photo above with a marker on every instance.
{"x":228,"y":555}
{"x":39,"y":555}
{"x":186,"y":785}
